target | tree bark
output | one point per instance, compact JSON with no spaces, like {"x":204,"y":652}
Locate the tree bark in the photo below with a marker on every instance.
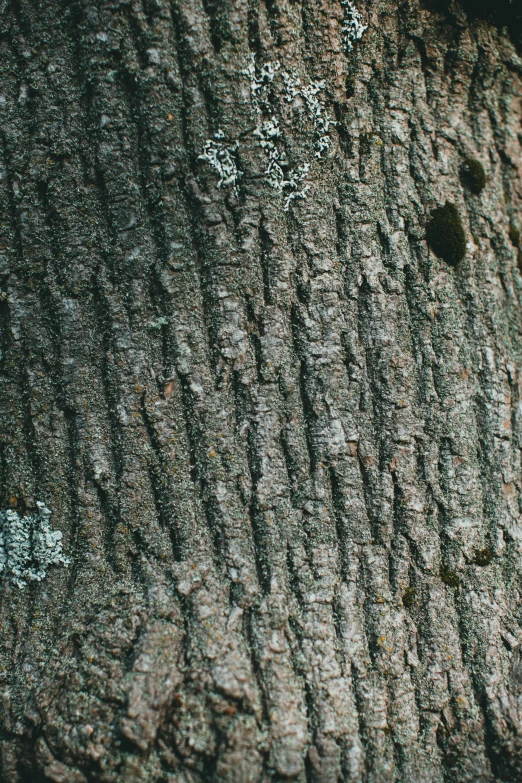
{"x":281,"y":437}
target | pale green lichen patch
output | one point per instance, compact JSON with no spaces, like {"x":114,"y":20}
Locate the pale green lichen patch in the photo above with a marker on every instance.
{"x":28,"y":546}
{"x":159,"y":323}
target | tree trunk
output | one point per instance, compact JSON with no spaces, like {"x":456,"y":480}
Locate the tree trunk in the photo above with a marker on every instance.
{"x":281,"y":436}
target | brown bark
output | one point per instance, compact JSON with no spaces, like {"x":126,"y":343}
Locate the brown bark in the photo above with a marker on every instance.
{"x":282,"y":438}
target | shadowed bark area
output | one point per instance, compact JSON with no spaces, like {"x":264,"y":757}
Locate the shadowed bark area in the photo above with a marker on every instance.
{"x":282,"y":438}
{"x":503,"y":13}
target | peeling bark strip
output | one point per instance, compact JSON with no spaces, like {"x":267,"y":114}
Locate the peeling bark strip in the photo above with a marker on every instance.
{"x":281,"y":436}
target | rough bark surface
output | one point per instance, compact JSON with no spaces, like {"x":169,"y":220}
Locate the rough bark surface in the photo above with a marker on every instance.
{"x":283,"y":446}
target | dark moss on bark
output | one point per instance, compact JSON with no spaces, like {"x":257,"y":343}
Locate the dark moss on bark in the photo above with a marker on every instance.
{"x":483,"y":557}
{"x":408,"y":599}
{"x":450,"y":578}
{"x":514,"y":235}
{"x":473,"y":176}
{"x":445,"y":234}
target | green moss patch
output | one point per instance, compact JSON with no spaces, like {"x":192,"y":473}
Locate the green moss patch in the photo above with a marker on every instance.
{"x":449,"y":578}
{"x":408,"y":599}
{"x":445,"y":234}
{"x":473,"y":176}
{"x":483,"y":557}
{"x":514,"y":236}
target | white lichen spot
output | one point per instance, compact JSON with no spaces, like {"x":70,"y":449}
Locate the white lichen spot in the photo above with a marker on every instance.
{"x":292,"y":86}
{"x":268,"y":132}
{"x":353,"y":28}
{"x":293,"y":186}
{"x":288,"y":182}
{"x":309,"y":93}
{"x":260,"y":79}
{"x":221,"y":156}
{"x":28,"y":546}
{"x":290,"y":185}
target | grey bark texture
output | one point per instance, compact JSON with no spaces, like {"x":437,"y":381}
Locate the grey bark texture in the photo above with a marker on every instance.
{"x":282,"y":438}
